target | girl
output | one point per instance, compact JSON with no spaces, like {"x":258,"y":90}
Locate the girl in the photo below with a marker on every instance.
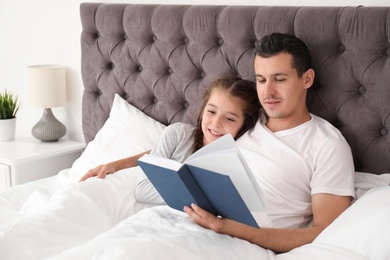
{"x":229,"y":105}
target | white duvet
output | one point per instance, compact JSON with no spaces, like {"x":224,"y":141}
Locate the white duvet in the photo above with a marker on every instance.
{"x":100,"y":219}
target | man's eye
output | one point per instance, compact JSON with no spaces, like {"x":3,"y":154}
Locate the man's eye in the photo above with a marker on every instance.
{"x":261,"y":81}
{"x":280,"y":79}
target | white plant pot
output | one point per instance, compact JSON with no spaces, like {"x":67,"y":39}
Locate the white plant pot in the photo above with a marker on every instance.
{"x":7,"y":129}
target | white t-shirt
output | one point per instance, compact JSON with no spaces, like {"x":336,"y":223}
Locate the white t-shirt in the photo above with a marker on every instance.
{"x":294,"y":164}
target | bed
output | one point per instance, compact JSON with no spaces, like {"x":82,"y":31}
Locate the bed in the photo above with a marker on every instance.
{"x":145,"y":67}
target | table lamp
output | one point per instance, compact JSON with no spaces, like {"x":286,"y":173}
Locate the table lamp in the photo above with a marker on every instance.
{"x":47,"y":89}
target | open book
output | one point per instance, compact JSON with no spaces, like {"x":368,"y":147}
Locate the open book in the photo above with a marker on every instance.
{"x":216,"y":178}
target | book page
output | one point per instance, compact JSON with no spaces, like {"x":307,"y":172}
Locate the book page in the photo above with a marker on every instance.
{"x":262,"y":220}
{"x":161,"y":161}
{"x":226,"y":142}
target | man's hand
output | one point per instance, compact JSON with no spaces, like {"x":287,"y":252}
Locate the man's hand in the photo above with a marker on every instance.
{"x":209,"y":221}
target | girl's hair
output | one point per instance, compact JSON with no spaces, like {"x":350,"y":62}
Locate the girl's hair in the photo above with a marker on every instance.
{"x":235,"y":87}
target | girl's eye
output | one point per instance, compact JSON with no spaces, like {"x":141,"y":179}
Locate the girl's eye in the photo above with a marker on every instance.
{"x":230,"y":119}
{"x":210,"y":111}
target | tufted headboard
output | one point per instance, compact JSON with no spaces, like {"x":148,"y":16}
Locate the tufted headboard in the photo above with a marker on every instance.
{"x":161,"y":57}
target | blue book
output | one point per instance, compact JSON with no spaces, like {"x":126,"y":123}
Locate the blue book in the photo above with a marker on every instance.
{"x":215,"y":178}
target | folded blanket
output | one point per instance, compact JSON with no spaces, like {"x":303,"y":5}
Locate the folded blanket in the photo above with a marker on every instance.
{"x":366,"y":181}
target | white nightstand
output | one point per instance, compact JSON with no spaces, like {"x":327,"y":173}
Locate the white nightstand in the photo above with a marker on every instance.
{"x":27,"y":159}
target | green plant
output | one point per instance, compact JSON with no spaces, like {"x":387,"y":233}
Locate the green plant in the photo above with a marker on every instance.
{"x":9,"y":105}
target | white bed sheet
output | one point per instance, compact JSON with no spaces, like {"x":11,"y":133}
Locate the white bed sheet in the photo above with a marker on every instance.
{"x":96,"y":220}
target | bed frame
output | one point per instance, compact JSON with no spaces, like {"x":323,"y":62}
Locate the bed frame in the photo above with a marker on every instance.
{"x":160,"y":58}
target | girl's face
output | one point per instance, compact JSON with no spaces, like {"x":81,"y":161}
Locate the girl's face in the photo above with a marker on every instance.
{"x":223,"y":114}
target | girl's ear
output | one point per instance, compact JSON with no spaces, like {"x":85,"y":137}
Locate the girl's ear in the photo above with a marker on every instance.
{"x":308,"y":78}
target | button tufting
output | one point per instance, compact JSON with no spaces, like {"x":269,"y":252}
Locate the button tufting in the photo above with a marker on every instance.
{"x":155,"y":100}
{"x":170,"y":71}
{"x":341,"y":48}
{"x":154,"y":38}
{"x":186,"y":105}
{"x":362,"y":90}
{"x":384,"y":131}
{"x":125,"y":36}
{"x":203,"y":74}
{"x":186,"y":40}
{"x":110,"y":65}
{"x":220,"y":41}
{"x":358,"y":166}
{"x":140,"y":68}
{"x":337,"y":124}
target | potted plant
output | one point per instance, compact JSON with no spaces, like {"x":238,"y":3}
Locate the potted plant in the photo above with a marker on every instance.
{"x":9,"y":106}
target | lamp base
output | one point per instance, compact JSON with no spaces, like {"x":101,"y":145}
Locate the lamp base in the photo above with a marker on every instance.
{"x":48,"y":128}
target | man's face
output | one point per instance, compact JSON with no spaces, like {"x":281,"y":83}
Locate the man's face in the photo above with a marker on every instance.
{"x":281,"y":92}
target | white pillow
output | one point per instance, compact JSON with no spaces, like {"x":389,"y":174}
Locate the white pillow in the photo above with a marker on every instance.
{"x":127,"y":131}
{"x":364,"y":228}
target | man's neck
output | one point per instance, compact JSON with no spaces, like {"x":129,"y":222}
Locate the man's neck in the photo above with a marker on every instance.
{"x":280,"y":124}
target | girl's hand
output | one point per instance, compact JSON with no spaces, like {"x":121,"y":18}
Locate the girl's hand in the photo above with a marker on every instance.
{"x":99,"y":171}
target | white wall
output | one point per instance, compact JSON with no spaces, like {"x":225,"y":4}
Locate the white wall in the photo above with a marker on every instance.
{"x":48,"y":32}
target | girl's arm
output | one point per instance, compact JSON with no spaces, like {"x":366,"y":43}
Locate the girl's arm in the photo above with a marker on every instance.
{"x":102,"y":170}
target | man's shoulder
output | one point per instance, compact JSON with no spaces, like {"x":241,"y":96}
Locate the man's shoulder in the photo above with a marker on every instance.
{"x":327,"y":135}
{"x":325,"y":125}
{"x":321,"y":121}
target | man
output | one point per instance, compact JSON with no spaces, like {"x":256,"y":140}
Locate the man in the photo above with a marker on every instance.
{"x":302,"y":163}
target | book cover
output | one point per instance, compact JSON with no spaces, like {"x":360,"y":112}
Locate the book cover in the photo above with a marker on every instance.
{"x":175,"y":185}
{"x":216,"y":178}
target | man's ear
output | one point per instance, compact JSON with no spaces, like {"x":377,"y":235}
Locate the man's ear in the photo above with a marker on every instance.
{"x":308,"y":78}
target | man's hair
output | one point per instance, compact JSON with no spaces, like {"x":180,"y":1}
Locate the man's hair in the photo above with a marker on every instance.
{"x":275,"y":43}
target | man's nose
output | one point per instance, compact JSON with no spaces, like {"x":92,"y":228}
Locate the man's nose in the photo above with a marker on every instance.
{"x":269,"y":89}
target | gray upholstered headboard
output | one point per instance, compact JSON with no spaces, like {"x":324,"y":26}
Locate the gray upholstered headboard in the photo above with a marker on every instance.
{"x":161,"y":57}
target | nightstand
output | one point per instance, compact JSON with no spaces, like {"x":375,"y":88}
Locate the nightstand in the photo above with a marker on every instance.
{"x":27,"y":159}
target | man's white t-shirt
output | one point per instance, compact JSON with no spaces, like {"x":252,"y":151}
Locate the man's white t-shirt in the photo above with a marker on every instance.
{"x":292,"y":165}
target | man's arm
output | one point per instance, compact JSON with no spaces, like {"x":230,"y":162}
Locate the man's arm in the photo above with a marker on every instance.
{"x":326,"y":208}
